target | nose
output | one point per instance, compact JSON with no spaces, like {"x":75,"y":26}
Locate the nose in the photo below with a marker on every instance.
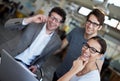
{"x":54,"y":20}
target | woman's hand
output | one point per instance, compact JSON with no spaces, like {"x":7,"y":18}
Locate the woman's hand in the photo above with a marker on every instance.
{"x":79,"y":64}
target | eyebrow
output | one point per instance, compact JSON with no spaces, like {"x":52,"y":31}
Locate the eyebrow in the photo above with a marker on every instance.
{"x":94,"y":48}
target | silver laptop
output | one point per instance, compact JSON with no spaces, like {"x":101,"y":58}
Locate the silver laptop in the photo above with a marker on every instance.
{"x":11,"y":70}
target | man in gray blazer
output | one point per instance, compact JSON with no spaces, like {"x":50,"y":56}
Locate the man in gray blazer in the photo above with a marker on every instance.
{"x":38,"y":39}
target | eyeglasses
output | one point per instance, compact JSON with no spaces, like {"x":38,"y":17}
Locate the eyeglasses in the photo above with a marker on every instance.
{"x":93,"y":23}
{"x":91,"y":49}
{"x":55,"y":19}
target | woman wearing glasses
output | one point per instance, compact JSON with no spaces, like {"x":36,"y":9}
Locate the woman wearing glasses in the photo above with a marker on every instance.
{"x":91,"y":51}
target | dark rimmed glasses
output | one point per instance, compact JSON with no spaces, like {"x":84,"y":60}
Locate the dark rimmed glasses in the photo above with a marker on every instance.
{"x":93,"y":23}
{"x":91,"y":49}
{"x":55,"y":19}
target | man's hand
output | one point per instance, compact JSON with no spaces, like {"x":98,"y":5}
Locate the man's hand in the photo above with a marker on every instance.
{"x":36,"y":19}
{"x":33,"y":68}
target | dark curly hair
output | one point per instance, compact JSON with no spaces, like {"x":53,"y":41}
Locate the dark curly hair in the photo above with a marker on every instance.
{"x":60,"y":12}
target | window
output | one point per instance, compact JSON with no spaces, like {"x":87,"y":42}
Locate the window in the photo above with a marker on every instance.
{"x":84,"y":11}
{"x":115,"y":2}
{"x":118,"y":26}
{"x":111,"y":22}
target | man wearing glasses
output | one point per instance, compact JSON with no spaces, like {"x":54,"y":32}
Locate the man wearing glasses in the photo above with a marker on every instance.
{"x":75,"y":39}
{"x":38,"y":39}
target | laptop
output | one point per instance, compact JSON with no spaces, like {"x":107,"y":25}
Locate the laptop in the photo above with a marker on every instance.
{"x":11,"y":70}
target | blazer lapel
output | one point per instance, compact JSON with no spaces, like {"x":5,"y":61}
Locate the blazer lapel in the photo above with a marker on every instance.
{"x":48,"y":46}
{"x":38,"y":29}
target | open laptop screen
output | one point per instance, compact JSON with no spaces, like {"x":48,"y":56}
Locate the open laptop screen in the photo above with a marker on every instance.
{"x":11,"y":70}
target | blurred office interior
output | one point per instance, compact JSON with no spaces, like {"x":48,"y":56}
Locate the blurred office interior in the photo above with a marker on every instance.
{"x":76,"y":14}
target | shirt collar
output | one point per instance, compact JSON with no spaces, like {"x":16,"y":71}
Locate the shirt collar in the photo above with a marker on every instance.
{"x":44,"y":29}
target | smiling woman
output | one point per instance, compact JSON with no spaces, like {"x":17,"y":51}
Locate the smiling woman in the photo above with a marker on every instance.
{"x":91,"y":51}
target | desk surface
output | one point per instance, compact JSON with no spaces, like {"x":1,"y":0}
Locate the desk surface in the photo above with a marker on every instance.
{"x":114,"y":70}
{"x":115,"y":76}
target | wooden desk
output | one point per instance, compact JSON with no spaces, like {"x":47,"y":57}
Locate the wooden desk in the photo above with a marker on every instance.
{"x":115,"y":76}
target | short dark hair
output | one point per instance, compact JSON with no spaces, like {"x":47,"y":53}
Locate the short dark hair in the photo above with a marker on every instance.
{"x":102,"y":43}
{"x":60,"y":12}
{"x":99,"y":15}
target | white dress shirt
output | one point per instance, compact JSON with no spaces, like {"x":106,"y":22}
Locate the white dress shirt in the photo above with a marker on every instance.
{"x":36,"y":47}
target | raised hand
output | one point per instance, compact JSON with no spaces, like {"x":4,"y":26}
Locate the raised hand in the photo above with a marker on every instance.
{"x":36,"y":19}
{"x":79,"y":64}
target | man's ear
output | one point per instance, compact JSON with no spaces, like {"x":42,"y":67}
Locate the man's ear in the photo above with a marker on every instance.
{"x":100,"y":27}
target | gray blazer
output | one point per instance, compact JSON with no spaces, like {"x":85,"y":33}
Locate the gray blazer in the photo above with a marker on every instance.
{"x":29,"y":33}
